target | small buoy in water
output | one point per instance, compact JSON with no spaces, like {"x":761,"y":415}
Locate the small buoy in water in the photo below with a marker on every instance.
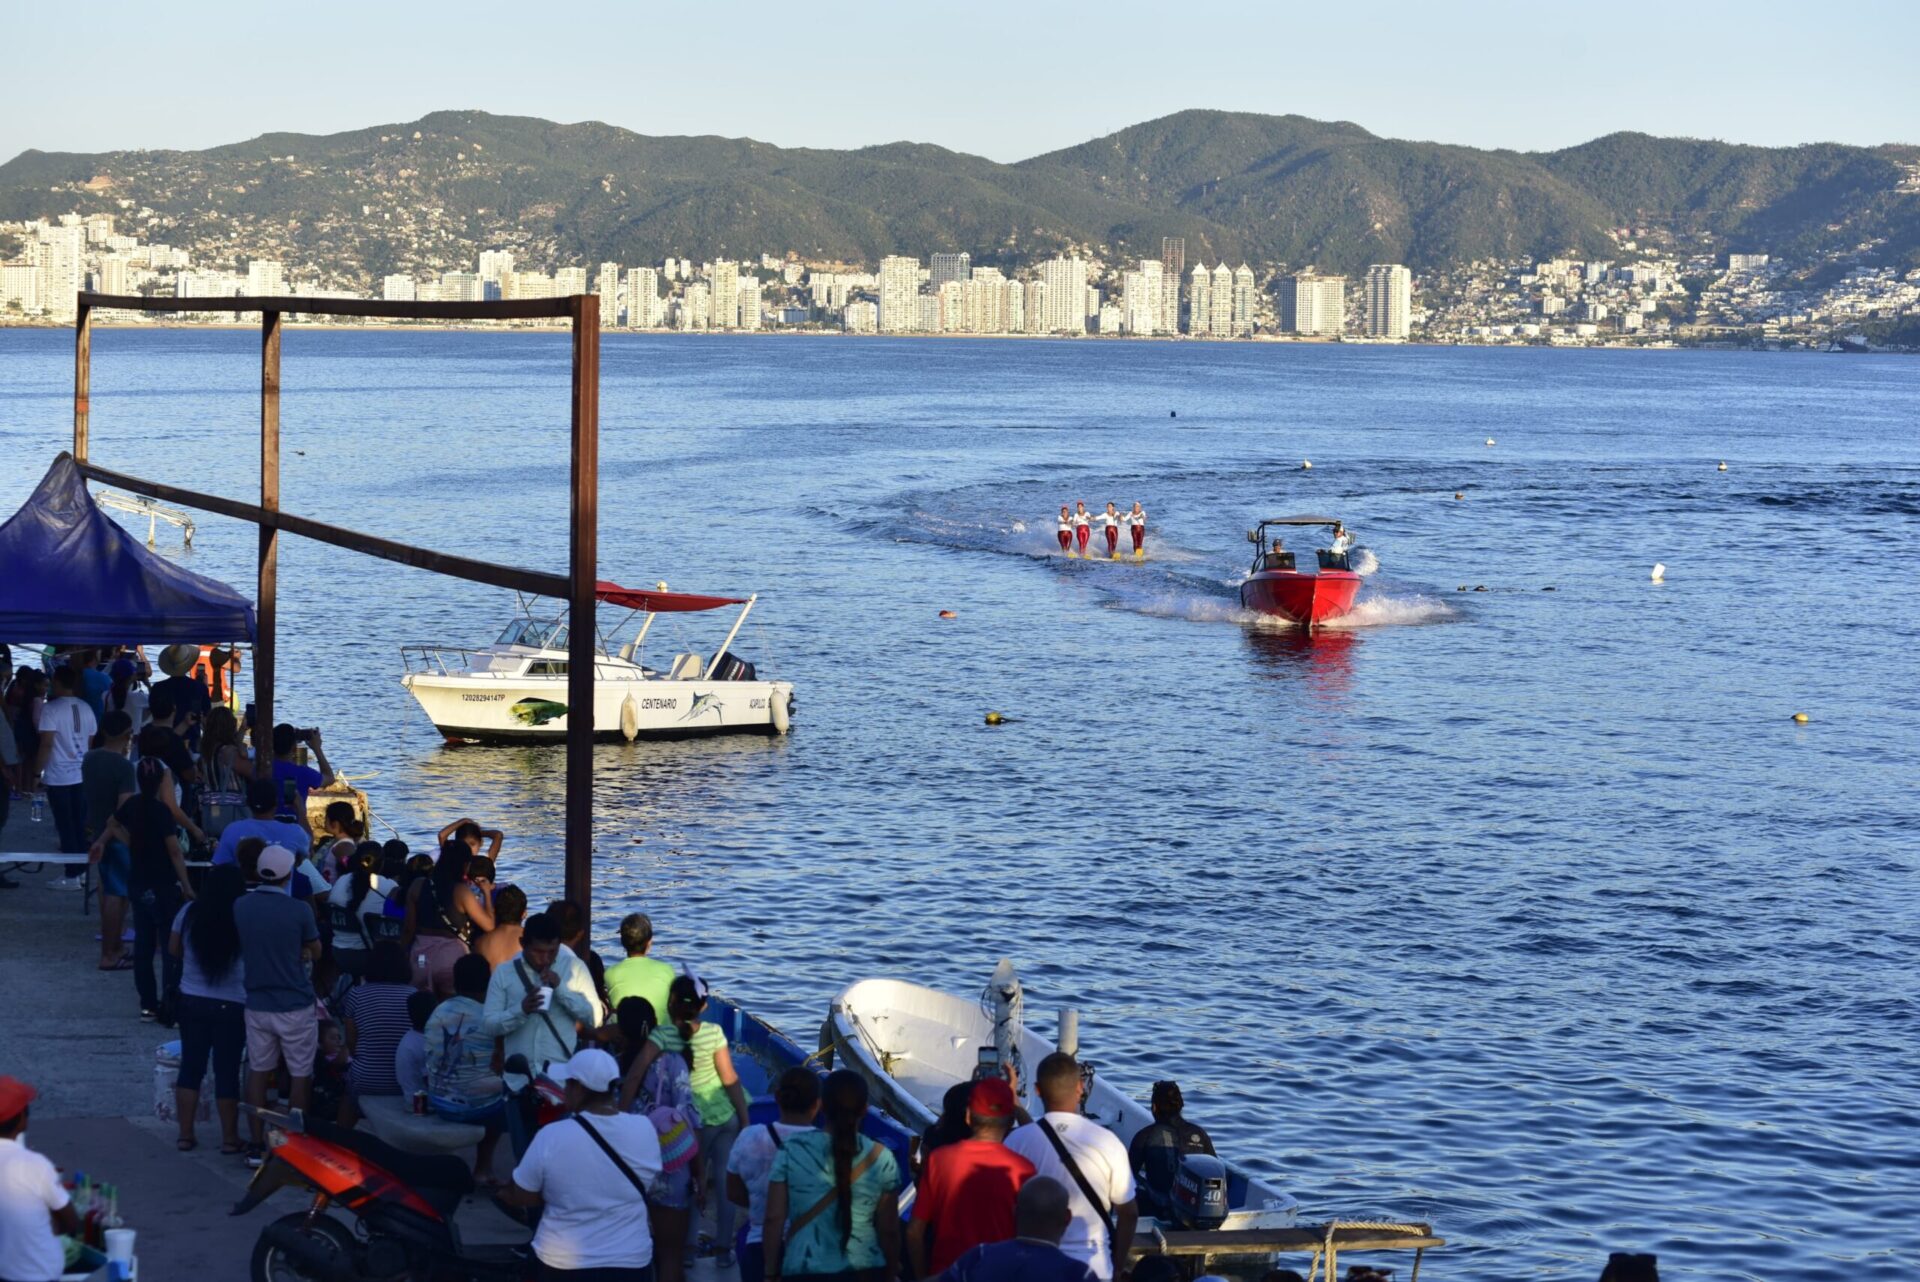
{"x":1461,"y":588}
{"x":1306,"y":465}
{"x":1723,"y":466}
{"x":948,"y":614}
{"x":661,"y":586}
{"x":1458,"y":495}
{"x":994,"y":718}
{"x":1479,"y":587}
{"x":1801,"y":718}
{"x":1173,"y":413}
{"x":1659,"y":572}
{"x":1489,"y":440}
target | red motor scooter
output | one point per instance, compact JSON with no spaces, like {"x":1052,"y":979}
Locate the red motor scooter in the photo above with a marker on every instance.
{"x":402,"y":1203}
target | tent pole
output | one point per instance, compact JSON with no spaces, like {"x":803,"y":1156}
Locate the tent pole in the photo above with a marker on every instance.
{"x":264,"y":608}
{"x":583,"y":571}
{"x":82,"y":378}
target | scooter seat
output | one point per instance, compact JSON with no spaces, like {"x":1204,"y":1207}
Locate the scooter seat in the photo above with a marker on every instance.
{"x":432,"y":1174}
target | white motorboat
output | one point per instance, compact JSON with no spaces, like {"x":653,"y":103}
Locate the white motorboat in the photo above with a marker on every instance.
{"x":515,"y":690}
{"x":913,"y":1043}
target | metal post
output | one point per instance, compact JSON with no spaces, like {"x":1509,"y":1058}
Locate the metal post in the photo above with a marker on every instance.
{"x":82,"y":378}
{"x":582,"y":574}
{"x":264,"y":609}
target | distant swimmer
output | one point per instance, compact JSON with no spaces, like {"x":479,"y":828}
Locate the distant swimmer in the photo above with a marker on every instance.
{"x":1082,"y":526}
{"x":1110,"y":522}
{"x":1065,"y":529}
{"x":1136,"y":521}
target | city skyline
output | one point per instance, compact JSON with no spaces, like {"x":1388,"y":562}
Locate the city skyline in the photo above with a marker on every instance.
{"x":1420,"y":84}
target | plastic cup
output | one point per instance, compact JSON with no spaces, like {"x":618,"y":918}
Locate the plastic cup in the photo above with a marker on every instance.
{"x":546,"y":997}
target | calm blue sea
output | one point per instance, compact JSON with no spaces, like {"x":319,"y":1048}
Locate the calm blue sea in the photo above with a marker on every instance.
{"x":1528,"y":910}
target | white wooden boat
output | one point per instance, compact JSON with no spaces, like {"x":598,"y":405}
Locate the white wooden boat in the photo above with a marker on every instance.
{"x":913,"y":1043}
{"x":516,"y":688}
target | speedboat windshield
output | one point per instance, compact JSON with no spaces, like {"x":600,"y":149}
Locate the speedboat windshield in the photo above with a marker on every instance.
{"x":535,"y":634}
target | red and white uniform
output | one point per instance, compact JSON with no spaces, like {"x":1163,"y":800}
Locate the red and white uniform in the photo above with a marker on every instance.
{"x":1136,"y":521}
{"x":1065,"y":531}
{"x":1110,"y":522}
{"x":1082,"y":527}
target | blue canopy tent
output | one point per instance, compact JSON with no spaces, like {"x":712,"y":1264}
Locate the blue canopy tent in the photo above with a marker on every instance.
{"x":70,"y":575}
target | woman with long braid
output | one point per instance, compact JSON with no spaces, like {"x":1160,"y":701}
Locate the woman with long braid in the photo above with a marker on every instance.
{"x":833,"y":1198}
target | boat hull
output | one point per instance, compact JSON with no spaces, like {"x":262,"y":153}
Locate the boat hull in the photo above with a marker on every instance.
{"x":488,"y":709}
{"x":912,"y":1043}
{"x":1306,"y":599}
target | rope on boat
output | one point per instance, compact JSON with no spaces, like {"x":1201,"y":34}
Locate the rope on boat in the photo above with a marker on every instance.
{"x":1330,"y":1249}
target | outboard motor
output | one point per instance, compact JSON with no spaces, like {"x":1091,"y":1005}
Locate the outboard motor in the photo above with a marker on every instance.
{"x":1200,"y":1192}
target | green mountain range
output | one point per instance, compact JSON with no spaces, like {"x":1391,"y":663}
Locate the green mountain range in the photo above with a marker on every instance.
{"x":1266,"y":189}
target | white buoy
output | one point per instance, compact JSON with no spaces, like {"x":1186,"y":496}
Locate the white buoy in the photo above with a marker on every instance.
{"x":1306,"y":465}
{"x":629,"y":719}
{"x":1659,"y":572}
{"x":1489,"y":440}
{"x":1723,"y":466}
{"x":661,"y":586}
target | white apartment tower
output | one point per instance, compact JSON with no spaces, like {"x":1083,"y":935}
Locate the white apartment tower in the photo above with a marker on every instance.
{"x":899,"y":295}
{"x":569,"y":281}
{"x":606,"y":284}
{"x":1199,"y":300}
{"x":1065,"y":300}
{"x":1389,"y":301}
{"x":265,"y":276}
{"x":1243,"y":301}
{"x":397,"y":288}
{"x":726,"y":294}
{"x":950,"y":267}
{"x":496,"y":266}
{"x":1314,"y":304}
{"x":747,"y":301}
{"x":643,"y":298}
{"x":1220,"y":302}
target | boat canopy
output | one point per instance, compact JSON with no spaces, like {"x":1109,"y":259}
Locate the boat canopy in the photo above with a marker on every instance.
{"x":73,"y":576}
{"x":655,"y":602}
{"x":1301,"y":520}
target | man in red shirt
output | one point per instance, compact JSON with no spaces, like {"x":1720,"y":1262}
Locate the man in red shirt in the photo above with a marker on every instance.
{"x":966,"y":1194}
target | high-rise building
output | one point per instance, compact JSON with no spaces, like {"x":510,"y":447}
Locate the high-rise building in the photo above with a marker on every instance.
{"x":1243,"y":301}
{"x":1389,"y":301}
{"x":527,"y":285}
{"x":569,"y":281}
{"x":606,"y":284}
{"x":899,"y":295}
{"x":397,"y":288}
{"x":953,"y":309}
{"x":265,"y":277}
{"x":1199,"y":300}
{"x":950,"y":267}
{"x":496,"y":265}
{"x":1313,"y":304}
{"x":984,"y":301}
{"x":1013,"y":307}
{"x":725,"y":276}
{"x":1033,"y":307}
{"x":643,"y":298}
{"x":861,"y":317}
{"x":116,"y":275}
{"x":1220,"y":302}
{"x":747,"y":301}
{"x":696,"y":307}
{"x":461,"y":287}
{"x":1066,"y":296}
{"x":1173,"y":256}
{"x":1141,"y":305}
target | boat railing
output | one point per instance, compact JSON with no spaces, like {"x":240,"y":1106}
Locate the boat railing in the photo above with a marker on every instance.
{"x":461,"y":661}
{"x":438,"y":660}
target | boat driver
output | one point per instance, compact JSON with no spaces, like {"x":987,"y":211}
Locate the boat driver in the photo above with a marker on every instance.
{"x":1156,"y":1150}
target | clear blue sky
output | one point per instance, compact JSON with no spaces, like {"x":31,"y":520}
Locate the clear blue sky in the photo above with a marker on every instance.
{"x":1006,"y":80}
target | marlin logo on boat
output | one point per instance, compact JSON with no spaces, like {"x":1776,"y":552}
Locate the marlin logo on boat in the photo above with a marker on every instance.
{"x":708,"y":702}
{"x":537,"y":712}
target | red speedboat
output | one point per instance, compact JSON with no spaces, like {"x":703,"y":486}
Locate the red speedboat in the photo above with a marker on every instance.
{"x":1277,"y":586}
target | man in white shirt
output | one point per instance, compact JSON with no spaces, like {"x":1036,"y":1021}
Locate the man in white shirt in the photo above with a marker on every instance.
{"x":33,"y":1205}
{"x":1078,"y":1143}
{"x":588,"y":1170}
{"x":67,"y":726}
{"x":544,"y":1029}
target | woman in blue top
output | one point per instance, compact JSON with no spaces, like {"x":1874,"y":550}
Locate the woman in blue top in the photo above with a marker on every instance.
{"x":833,"y":1198}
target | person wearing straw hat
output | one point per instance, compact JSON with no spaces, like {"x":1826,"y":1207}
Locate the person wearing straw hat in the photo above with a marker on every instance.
{"x":33,"y":1204}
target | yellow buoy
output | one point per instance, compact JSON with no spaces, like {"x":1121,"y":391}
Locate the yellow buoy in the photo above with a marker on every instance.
{"x":1801,"y":717}
{"x":994,"y":718}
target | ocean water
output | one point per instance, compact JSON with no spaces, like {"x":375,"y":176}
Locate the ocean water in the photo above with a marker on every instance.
{"x":1527,"y":910}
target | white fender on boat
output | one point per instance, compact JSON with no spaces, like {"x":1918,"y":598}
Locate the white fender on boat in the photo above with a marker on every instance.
{"x":629,"y":719}
{"x":782,"y":712}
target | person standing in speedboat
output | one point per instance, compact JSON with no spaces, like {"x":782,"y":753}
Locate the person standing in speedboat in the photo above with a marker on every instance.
{"x":1082,"y":526}
{"x":1342,"y":541}
{"x":1136,"y":523}
{"x":1065,"y":529}
{"x":1110,"y":525}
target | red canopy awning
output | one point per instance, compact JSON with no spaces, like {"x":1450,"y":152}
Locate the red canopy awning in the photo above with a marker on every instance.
{"x":660,"y":602}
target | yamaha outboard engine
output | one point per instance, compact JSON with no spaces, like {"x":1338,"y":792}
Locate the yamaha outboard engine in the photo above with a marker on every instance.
{"x":1200,"y":1192}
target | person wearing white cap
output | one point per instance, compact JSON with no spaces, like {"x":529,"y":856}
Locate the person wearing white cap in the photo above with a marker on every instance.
{"x":278,"y":938}
{"x":591,"y":1172}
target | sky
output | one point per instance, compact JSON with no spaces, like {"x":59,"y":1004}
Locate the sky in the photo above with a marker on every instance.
{"x":1004,"y":80}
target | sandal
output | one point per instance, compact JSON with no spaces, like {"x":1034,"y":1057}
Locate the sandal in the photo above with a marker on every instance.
{"x":186,"y":1143}
{"x":124,"y":962}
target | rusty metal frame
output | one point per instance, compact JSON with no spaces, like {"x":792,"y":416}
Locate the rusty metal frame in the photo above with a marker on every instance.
{"x":576,"y":586}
